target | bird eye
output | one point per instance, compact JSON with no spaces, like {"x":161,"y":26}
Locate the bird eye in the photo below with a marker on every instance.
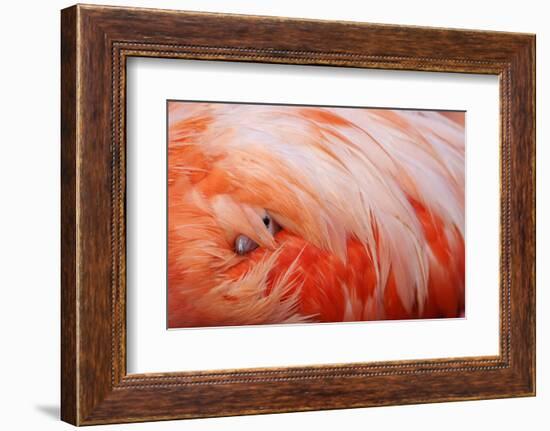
{"x":271,"y":225}
{"x":244,"y":244}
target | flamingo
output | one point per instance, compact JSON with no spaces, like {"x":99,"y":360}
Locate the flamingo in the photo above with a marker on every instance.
{"x":300,"y":214}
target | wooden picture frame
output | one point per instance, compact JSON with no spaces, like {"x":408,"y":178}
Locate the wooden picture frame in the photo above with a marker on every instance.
{"x":96,"y":41}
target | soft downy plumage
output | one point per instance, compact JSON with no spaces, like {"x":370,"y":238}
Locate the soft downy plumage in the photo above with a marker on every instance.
{"x":368,"y":205}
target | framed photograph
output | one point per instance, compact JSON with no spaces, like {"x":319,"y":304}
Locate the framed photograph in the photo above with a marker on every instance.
{"x":264,"y":214}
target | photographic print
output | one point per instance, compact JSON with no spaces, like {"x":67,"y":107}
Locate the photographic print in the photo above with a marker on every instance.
{"x":285,"y":214}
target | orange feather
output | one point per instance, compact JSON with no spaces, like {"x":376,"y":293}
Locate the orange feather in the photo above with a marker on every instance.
{"x":370,"y":205}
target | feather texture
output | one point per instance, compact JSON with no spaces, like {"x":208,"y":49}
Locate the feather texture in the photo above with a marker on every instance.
{"x":370,"y":202}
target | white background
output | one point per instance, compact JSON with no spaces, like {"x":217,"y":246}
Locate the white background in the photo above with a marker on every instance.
{"x":29,"y":228}
{"x":151,"y":348}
